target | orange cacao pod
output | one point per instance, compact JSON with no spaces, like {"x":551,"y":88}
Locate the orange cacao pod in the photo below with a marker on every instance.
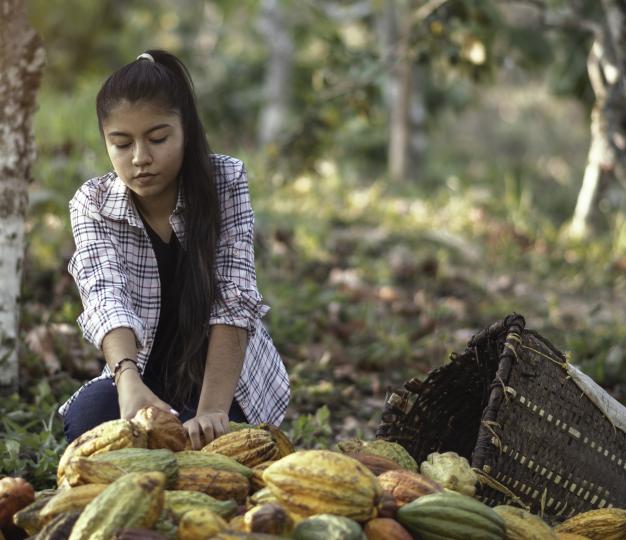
{"x":164,"y":429}
{"x":385,"y":529}
{"x":376,"y":464}
{"x":15,"y":494}
{"x":406,"y":486}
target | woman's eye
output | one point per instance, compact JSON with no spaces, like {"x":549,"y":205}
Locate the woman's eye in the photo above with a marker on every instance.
{"x":158,"y":141}
{"x":122,"y":146}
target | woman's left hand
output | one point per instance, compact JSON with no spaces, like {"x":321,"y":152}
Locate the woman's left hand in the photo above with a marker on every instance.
{"x":206,"y":426}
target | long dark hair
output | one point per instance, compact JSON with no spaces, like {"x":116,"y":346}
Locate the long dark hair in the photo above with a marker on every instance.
{"x":167,"y":81}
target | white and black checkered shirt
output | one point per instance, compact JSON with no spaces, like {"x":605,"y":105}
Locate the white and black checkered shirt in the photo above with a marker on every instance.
{"x":116,"y":271}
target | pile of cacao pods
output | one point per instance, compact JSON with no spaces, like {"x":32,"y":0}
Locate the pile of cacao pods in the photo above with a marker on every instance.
{"x":139,"y":479}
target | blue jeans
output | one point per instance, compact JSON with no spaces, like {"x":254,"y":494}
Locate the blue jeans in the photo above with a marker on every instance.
{"x":98,"y":403}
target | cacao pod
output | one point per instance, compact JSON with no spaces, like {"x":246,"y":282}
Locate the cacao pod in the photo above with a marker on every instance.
{"x":522,"y":525}
{"x":406,"y":486}
{"x":196,"y":458}
{"x":164,"y":429}
{"x":385,"y":529}
{"x":138,"y":534}
{"x":284,"y":445}
{"x":376,"y":464}
{"x":327,"y":527}
{"x":199,"y":524}
{"x":59,"y":528}
{"x":322,"y":482}
{"x":142,"y":460}
{"x":179,"y":502}
{"x":602,"y":523}
{"x":70,"y":500}
{"x":452,"y":516}
{"x":256,"y":480}
{"x":222,"y":485}
{"x":28,"y":518}
{"x":111,"y":435}
{"x":393,"y":451}
{"x":247,"y":446}
{"x":15,"y":494}
{"x":451,"y":471}
{"x":270,"y":518}
{"x":134,"y":500}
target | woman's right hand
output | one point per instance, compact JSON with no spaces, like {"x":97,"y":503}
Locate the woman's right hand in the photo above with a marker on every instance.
{"x":133,"y":394}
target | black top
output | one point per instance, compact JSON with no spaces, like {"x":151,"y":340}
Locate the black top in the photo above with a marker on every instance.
{"x":160,"y":368}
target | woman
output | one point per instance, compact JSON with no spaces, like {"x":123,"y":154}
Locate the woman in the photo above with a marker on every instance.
{"x":164,"y":264}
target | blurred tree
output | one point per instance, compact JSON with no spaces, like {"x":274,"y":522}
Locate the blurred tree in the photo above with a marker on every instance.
{"x":275,"y":26}
{"x":21,"y":65}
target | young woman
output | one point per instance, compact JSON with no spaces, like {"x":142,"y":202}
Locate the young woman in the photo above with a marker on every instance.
{"x":164,"y":263}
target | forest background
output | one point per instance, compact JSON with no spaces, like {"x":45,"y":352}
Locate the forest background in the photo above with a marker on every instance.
{"x":414,"y":169}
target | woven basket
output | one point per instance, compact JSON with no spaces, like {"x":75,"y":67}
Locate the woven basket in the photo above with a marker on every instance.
{"x":509,"y":406}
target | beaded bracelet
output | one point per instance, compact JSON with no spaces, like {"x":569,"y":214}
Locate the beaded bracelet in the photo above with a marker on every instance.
{"x":118,"y":366}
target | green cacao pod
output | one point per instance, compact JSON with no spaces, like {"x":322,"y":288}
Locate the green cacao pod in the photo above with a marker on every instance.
{"x":452,"y":516}
{"x":195,"y":458}
{"x":133,"y":501}
{"x":59,"y":528}
{"x":328,"y":527}
{"x":180,"y":501}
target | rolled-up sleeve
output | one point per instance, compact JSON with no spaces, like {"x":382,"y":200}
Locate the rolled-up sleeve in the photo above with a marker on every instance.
{"x":99,"y":273}
{"x":238,"y":301}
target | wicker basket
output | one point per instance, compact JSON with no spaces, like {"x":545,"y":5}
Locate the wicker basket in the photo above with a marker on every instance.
{"x":509,"y":405}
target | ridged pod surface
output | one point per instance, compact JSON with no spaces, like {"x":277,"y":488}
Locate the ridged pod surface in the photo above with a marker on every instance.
{"x":134,"y":500}
{"x":29,"y":518}
{"x":70,"y":500}
{"x":111,"y":435}
{"x":406,"y":486}
{"x":142,"y":460}
{"x":247,"y":446}
{"x":328,"y":527}
{"x":284,"y":445}
{"x":385,"y":529}
{"x":393,"y":451}
{"x":222,"y":485}
{"x":600,"y":524}
{"x":376,"y":464}
{"x":570,"y":536}
{"x":451,"y":516}
{"x":60,"y":527}
{"x":139,"y":534}
{"x":312,"y":482}
{"x":256,"y":480}
{"x":164,"y":429}
{"x":522,"y":525}
{"x":196,"y":458}
{"x":199,"y":524}
{"x":180,"y":501}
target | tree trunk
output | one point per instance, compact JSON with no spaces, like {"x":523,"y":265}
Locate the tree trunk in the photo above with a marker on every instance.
{"x":274,"y":115}
{"x":607,"y":153}
{"x":21,"y":65}
{"x":403,"y":93}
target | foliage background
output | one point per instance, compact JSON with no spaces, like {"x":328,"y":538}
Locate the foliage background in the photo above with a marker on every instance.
{"x":371,"y":281}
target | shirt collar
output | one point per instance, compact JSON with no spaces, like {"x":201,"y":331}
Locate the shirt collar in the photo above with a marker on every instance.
{"x":118,"y":203}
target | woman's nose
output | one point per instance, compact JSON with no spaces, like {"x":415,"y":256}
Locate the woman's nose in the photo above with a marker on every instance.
{"x":141,"y":156}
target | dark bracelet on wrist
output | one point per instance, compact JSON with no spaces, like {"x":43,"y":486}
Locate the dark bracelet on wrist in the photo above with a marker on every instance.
{"x":118,"y":367}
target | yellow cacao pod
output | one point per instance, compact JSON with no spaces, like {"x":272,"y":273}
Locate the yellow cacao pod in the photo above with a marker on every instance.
{"x":256,"y":480}
{"x":222,"y":485}
{"x":600,"y":524}
{"x":70,"y":500}
{"x":323,"y":482}
{"x":522,"y":525}
{"x":196,"y":458}
{"x":134,"y":500}
{"x":247,"y":446}
{"x":570,"y":536}
{"x":108,"y":436}
{"x":200,"y":524}
{"x":451,"y":471}
{"x":164,"y":429}
{"x":284,"y":445}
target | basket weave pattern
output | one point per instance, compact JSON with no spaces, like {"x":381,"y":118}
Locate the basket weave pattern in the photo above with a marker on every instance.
{"x":508,"y":405}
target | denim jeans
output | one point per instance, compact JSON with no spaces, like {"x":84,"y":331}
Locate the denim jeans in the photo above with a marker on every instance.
{"x":98,"y":403}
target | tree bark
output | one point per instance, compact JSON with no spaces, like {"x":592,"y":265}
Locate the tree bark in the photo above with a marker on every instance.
{"x":21,"y":64}
{"x":607,"y":153}
{"x":274,"y":115}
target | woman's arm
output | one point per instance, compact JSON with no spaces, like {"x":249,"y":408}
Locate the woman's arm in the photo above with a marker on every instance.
{"x":227,"y":347}
{"x":132,"y":393}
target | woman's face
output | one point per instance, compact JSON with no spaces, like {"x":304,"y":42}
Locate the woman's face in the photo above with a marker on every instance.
{"x":145,"y":143}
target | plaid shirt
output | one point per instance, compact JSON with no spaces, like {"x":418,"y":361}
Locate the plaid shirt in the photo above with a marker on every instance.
{"x":116,"y":272}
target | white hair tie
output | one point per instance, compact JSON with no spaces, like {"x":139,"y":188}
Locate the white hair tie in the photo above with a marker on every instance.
{"x":146,"y":56}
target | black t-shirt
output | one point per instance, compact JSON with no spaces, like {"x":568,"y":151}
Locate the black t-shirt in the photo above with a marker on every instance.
{"x":161,"y":369}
